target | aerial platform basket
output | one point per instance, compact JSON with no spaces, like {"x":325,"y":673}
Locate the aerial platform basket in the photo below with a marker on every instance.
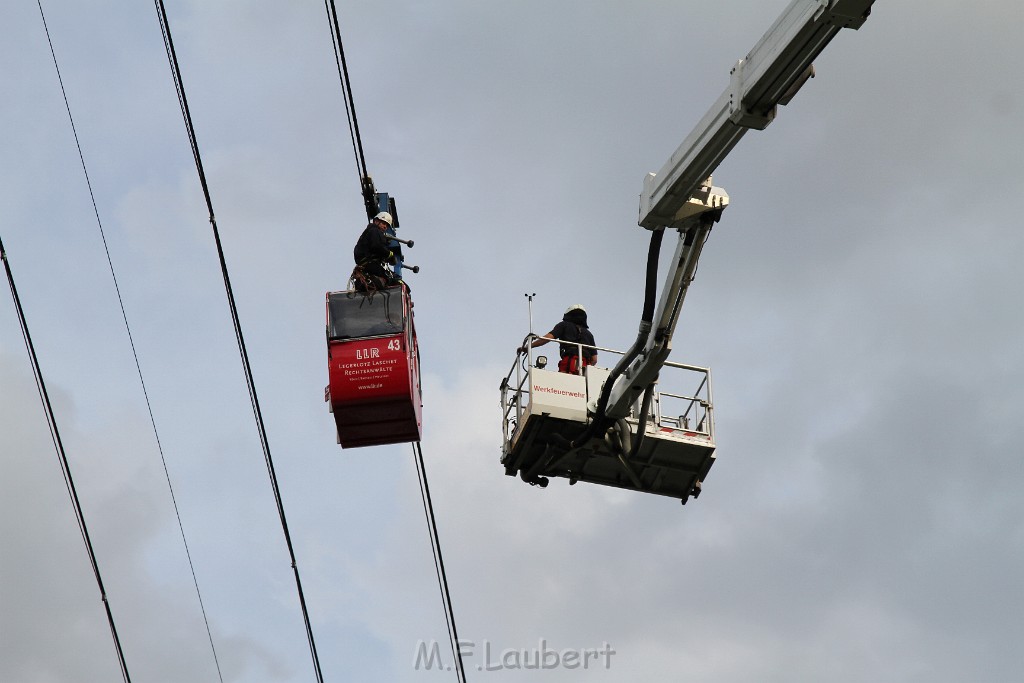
{"x":545,"y":410}
{"x":373,"y":362}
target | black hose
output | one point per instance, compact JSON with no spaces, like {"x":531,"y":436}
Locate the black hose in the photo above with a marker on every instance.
{"x":641,"y":429}
{"x":651,"y":283}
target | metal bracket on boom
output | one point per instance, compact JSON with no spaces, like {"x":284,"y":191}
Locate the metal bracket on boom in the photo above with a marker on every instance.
{"x":738,"y":113}
{"x":693,"y":221}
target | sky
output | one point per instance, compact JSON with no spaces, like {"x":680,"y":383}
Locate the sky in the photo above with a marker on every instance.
{"x":857,"y":304}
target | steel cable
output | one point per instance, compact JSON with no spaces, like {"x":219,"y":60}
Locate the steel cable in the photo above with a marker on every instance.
{"x":428,"y":507}
{"x":442,"y":576}
{"x":250,"y":382}
{"x":131,"y":339}
{"x":346,"y":86}
{"x":65,"y":466}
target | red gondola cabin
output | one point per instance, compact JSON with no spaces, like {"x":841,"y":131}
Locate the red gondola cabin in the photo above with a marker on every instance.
{"x":373,"y":362}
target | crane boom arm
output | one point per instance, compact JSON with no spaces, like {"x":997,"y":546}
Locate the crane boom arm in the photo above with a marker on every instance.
{"x":768,"y":76}
{"x":680,"y":195}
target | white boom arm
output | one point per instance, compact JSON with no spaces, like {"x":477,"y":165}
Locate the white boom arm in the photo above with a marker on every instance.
{"x":768,"y":76}
{"x":679,"y":196}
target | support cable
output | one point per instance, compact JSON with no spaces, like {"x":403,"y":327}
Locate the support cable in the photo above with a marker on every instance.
{"x":64,"y":464}
{"x":366,"y":186}
{"x":442,"y":577}
{"x":346,"y":87}
{"x":131,"y":341}
{"x":365,"y":183}
{"x":369,"y":199}
{"x":254,"y":399}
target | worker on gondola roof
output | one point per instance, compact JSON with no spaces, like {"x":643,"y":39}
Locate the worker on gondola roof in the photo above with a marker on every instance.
{"x":373,"y":250}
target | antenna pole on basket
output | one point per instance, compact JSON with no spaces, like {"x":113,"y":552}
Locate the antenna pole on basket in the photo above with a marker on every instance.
{"x":529,"y":298}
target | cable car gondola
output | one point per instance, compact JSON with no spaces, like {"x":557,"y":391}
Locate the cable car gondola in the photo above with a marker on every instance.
{"x":373,"y":364}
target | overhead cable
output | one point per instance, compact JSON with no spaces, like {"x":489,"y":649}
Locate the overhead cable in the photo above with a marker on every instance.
{"x":254,"y":399}
{"x":368,"y":198}
{"x":442,"y":576}
{"x":65,"y":466}
{"x":131,"y":340}
{"x":365,"y":183}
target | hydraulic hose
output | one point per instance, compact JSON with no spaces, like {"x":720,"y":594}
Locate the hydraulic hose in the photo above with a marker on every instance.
{"x":625,"y":446}
{"x":645,"y":409}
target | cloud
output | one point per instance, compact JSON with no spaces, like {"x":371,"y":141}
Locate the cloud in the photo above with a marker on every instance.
{"x":45,"y":556}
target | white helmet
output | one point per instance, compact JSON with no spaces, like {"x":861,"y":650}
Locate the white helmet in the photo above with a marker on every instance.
{"x":575,"y":307}
{"x":384,"y":216}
